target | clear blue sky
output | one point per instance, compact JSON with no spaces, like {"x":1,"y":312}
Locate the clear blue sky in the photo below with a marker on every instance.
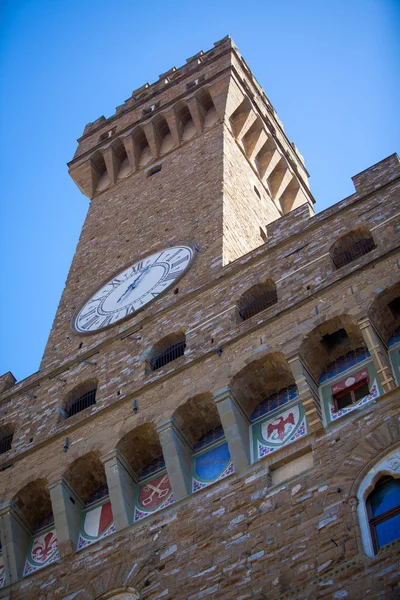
{"x":331,"y":69}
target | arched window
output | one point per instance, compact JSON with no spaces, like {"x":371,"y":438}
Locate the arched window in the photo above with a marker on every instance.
{"x":379,"y":503}
{"x":6,"y":438}
{"x":351,"y":246}
{"x":166,"y":350}
{"x":383,"y":506}
{"x":79,"y":398}
{"x":256,"y":299}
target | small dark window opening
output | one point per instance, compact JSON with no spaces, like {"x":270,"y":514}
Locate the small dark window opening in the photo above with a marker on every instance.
{"x":107,"y":134}
{"x":351,"y":248}
{"x":84,"y":401}
{"x":256,"y":304}
{"x":154,"y":170}
{"x":168,"y":355}
{"x":351,"y":395}
{"x":383,"y":508}
{"x":394,"y":307}
{"x":338,"y":338}
{"x":6,"y":437}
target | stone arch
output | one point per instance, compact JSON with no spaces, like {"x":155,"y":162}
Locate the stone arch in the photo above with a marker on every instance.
{"x":207,"y":108}
{"x":260,"y":379}
{"x":101,"y":177}
{"x":363,"y":454}
{"x":197,"y":417}
{"x":185,"y":121}
{"x":169,"y":348}
{"x":141,"y":447}
{"x":256,"y":299}
{"x":120,"y":154}
{"x":384,"y":311}
{"x":351,"y":245}
{"x":143,"y":152}
{"x":165,"y":139}
{"x":33,"y":500}
{"x":86,"y":475}
{"x":79,"y":397}
{"x":239,"y":116}
{"x":326,"y":342}
{"x":114,"y":583}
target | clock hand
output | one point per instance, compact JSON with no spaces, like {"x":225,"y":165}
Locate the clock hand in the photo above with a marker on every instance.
{"x":133,"y":284}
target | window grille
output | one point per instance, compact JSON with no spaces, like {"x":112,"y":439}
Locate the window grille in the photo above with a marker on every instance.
{"x":168,"y":355}
{"x":255,"y":306}
{"x":351,"y":250}
{"x":6,"y":437}
{"x":274,"y":401}
{"x":75,"y":406}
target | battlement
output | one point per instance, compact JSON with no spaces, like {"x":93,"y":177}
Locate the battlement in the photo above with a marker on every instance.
{"x":145,"y":92}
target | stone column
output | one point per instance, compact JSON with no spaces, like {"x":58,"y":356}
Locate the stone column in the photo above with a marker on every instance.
{"x":379,"y":354}
{"x":308,"y":393}
{"x":236,"y":426}
{"x":67,"y":511}
{"x":15,"y":536}
{"x":121,"y":481}
{"x":178,"y":458}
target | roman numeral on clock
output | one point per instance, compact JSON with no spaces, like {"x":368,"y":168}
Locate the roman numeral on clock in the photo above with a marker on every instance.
{"x":171,"y":276}
{"x":91,"y":322}
{"x":106,"y":321}
{"x":179,"y":262}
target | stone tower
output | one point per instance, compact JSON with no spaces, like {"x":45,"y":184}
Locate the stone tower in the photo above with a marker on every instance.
{"x":199,"y":155}
{"x":216,"y":414}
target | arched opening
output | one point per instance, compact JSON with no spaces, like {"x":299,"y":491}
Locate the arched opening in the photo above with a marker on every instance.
{"x":351,"y":246}
{"x":187,"y":126}
{"x":6,"y":437}
{"x":39,"y":547}
{"x":102,"y":177}
{"x":166,"y":141}
{"x":92,"y":507}
{"x":79,"y":398}
{"x":121,"y":157}
{"x":337,"y":357}
{"x":267,"y":392}
{"x":384,"y":313}
{"x":199,"y":421}
{"x":142,"y":148}
{"x":166,"y":350}
{"x":207,"y":108}
{"x":258,"y":298}
{"x":240,"y":115}
{"x":150,"y":488}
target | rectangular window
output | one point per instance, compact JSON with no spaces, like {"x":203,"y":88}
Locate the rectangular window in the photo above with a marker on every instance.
{"x":351,"y":395}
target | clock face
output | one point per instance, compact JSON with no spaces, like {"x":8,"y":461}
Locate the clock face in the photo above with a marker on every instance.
{"x":132,"y":289}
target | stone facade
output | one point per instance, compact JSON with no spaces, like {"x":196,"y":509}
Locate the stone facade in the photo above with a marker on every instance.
{"x":232,"y":471}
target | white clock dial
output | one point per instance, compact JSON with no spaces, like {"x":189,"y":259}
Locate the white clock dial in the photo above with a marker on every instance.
{"x":132,"y":288}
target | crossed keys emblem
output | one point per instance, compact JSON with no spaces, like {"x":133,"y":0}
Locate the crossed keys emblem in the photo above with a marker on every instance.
{"x":155,"y":489}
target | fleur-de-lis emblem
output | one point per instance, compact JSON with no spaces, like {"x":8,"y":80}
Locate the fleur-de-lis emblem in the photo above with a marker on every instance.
{"x":44,"y":547}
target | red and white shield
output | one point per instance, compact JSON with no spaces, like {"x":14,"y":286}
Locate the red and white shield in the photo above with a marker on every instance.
{"x":154,"y":492}
{"x":279,"y":429}
{"x":98,"y":520}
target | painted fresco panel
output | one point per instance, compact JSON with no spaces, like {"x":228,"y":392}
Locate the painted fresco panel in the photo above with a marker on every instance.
{"x":274,"y":432}
{"x":152,"y":495}
{"x":210,"y":466}
{"x":2,"y":572}
{"x":347,"y":379}
{"x":43,"y":550}
{"x":97,"y":522}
